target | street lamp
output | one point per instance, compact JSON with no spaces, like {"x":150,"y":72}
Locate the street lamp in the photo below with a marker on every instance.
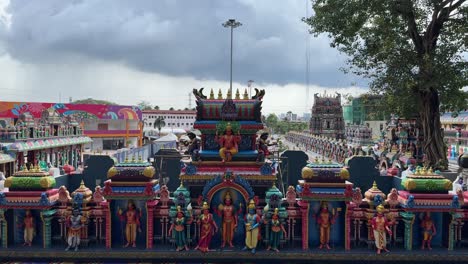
{"x":232,"y":23}
{"x":249,"y":84}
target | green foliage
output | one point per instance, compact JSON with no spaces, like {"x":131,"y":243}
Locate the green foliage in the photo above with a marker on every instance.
{"x":403,"y":46}
{"x":159,"y":123}
{"x":93,"y":101}
{"x":271,"y":120}
{"x":413,"y":52}
{"x":144,"y":105}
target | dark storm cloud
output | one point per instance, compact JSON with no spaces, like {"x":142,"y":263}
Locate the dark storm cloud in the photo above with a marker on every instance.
{"x":177,"y":38}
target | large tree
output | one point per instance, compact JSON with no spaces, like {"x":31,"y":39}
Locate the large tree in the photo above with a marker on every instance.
{"x":412,"y":51}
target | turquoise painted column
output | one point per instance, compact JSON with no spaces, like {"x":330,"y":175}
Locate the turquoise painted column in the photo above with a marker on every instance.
{"x":408,"y":219}
{"x":453,"y":223}
{"x":46,"y":217}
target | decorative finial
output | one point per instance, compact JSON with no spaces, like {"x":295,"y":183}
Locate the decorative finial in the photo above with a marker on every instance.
{"x":374,"y":185}
{"x":251,"y":204}
{"x":181,"y":183}
{"x":237,"y":94}
{"x":82,"y":185}
{"x":246,"y":95}
{"x":220,"y":95}
{"x":229,"y":94}
{"x":211,"y":94}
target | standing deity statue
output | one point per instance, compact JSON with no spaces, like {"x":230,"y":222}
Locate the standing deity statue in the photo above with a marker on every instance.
{"x":208,"y":228}
{"x":229,"y":220}
{"x":429,"y":231}
{"x":252,"y":222}
{"x":277,"y":228}
{"x":325,"y":220}
{"x":132,"y":218}
{"x":74,"y":223}
{"x":228,"y":143}
{"x":380,"y":225}
{"x":178,"y":227}
{"x":29,"y":228}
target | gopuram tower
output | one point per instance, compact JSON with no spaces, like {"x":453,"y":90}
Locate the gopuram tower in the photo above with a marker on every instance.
{"x":327,"y":116}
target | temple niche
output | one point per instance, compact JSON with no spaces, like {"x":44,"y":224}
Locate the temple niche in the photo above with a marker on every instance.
{"x":327,"y":116}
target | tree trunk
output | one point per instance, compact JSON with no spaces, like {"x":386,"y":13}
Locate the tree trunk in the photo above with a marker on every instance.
{"x":433,"y":143}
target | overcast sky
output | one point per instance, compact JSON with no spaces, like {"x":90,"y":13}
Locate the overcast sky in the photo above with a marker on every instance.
{"x":158,"y":51}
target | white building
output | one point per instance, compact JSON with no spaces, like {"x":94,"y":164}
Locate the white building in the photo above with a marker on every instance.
{"x":174,"y":119}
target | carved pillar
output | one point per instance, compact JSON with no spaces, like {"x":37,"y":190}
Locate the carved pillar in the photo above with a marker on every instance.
{"x":348,"y":214}
{"x":4,"y":228}
{"x":453,"y":226}
{"x":408,"y":219}
{"x":107,"y":213}
{"x":305,"y":206}
{"x":150,"y":205}
{"x":46,"y":217}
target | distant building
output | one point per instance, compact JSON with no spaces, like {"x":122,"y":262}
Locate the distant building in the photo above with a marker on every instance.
{"x":109,"y":126}
{"x":327,"y":117}
{"x":306,"y":116}
{"x":456,"y":131}
{"x":366,"y":110}
{"x":173,"y":119}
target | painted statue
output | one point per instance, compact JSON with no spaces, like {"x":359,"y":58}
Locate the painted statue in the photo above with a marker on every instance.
{"x":228,"y":143}
{"x":229,"y":220}
{"x":29,"y":228}
{"x":325,"y":220}
{"x":74,"y":223}
{"x":277,"y":228}
{"x":132,"y":218}
{"x":380,"y":226}
{"x":262,"y":146}
{"x":194,"y":146}
{"x":252,"y":222}
{"x":178,"y":227}
{"x":208,"y":228}
{"x":429,"y":230}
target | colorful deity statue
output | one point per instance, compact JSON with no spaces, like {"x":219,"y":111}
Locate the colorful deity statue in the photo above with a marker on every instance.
{"x":194,"y":146}
{"x":132,"y":218}
{"x":208,"y":228}
{"x":277,"y":228}
{"x":74,"y":223}
{"x":262,"y":146}
{"x":252,"y":222}
{"x":380,"y":226}
{"x":429,"y":231}
{"x":178,"y":227}
{"x":229,"y":220}
{"x":29,"y":228}
{"x":325,"y":220}
{"x":228,"y":143}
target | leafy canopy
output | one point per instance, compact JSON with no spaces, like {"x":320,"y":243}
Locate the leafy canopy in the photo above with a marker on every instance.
{"x":405,"y":47}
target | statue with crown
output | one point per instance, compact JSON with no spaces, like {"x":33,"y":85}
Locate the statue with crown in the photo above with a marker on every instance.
{"x":380,"y":226}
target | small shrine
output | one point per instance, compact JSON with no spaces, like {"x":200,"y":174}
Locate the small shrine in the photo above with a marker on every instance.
{"x":30,"y":204}
{"x":325,"y":194}
{"x":131,"y":199}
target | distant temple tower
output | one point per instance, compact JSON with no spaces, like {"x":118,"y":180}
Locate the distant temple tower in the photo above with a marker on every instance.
{"x":327,"y":116}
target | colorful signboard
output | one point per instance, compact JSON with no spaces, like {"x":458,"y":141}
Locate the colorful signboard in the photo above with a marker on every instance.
{"x":79,"y":111}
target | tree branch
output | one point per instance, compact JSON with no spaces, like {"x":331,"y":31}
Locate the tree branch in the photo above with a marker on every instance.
{"x":407,"y":11}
